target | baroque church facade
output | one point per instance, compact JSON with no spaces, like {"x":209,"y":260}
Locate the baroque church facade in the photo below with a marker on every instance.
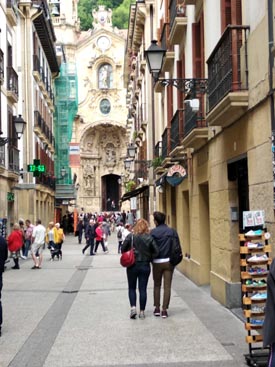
{"x":99,"y":137}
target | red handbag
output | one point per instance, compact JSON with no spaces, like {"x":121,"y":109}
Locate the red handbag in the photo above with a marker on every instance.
{"x":127,"y":259}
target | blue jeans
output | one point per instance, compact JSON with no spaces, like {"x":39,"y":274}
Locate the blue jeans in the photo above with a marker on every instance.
{"x":27,"y":247}
{"x":141,"y":272}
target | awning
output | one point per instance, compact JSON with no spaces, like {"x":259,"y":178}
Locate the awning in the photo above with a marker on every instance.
{"x":135,"y":192}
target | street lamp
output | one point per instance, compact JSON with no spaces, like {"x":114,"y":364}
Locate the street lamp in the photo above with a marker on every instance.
{"x":19,"y":125}
{"x":131,"y":150}
{"x":63,"y":172}
{"x":154,"y":58}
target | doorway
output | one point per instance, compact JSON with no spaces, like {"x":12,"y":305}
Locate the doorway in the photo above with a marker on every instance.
{"x":110,"y":192}
{"x":238,"y":171}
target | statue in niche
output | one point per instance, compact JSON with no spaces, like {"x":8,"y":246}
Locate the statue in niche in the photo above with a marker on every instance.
{"x":89,"y":177}
{"x":110,"y":155}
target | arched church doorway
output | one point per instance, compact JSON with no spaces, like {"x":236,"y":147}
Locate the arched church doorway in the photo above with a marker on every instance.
{"x":110,"y":192}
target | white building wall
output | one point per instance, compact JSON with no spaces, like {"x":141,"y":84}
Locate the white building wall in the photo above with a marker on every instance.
{"x":253,"y":12}
{"x":212,"y":26}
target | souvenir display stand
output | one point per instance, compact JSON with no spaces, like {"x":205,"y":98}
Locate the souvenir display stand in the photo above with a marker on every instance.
{"x":254,"y":262}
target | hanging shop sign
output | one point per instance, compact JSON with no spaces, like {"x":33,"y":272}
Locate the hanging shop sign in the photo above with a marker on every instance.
{"x":176,"y":174}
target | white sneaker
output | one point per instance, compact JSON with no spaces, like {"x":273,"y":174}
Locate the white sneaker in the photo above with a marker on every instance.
{"x":257,"y":258}
{"x":23,"y":257}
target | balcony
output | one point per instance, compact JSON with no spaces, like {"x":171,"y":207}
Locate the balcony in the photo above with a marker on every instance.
{"x":46,"y":180}
{"x":1,"y":67}
{"x":178,"y":22}
{"x":43,"y":131}
{"x":168,"y":61}
{"x":36,"y":68}
{"x":2,"y":158}
{"x":228,"y":77}
{"x":13,"y":161}
{"x":11,"y":15}
{"x":12,"y":85}
{"x":195,"y":129}
{"x":176,"y":130}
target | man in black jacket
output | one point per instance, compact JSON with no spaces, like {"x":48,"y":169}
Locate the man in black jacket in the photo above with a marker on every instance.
{"x":162,"y":269}
{"x":90,"y":237}
{"x":3,"y":258}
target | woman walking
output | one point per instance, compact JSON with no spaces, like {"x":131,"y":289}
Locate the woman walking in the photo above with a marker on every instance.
{"x":15,"y":243}
{"x":59,"y":237}
{"x":145,"y":250}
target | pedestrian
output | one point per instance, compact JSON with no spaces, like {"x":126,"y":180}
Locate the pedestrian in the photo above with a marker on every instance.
{"x":119,"y":231}
{"x":162,"y":269}
{"x":130,"y":218}
{"x":15,"y":243}
{"x":106,"y":233}
{"x":145,"y":249}
{"x":59,"y":238}
{"x":38,"y":242}
{"x":90,"y":237}
{"x":80,"y":228}
{"x":3,"y":258}
{"x":49,"y":239}
{"x":28,"y":237}
{"x":99,"y":237}
{"x":23,"y":230}
{"x":269,"y":320}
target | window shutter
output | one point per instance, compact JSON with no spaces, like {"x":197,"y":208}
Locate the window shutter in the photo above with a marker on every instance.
{"x":225,"y":14}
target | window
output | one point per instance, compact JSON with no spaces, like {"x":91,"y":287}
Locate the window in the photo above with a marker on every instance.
{"x":105,"y":76}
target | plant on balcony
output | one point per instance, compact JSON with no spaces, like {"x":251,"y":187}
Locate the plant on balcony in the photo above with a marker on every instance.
{"x":130,"y":186}
{"x":135,"y":135}
{"x":157,"y":162}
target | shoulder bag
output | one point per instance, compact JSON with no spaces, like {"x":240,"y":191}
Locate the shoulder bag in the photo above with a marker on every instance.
{"x":127,"y":259}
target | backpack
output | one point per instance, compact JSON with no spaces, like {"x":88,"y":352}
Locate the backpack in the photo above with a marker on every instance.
{"x":119,"y":233}
{"x":175,"y":250}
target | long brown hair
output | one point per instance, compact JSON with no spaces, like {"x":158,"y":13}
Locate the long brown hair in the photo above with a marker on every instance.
{"x":141,"y":226}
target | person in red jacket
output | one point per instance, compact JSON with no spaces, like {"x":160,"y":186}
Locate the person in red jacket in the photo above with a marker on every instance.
{"x":15,"y":242}
{"x":99,"y":237}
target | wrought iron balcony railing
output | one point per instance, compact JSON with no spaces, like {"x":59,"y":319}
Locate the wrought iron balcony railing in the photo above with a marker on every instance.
{"x":13,"y":159}
{"x":12,"y":80}
{"x":164,"y":144}
{"x":176,"y":129}
{"x":176,"y":9}
{"x":226,"y":72}
{"x":193,"y":120}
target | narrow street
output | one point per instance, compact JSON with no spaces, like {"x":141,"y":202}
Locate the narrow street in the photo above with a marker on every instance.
{"x":75,"y":312}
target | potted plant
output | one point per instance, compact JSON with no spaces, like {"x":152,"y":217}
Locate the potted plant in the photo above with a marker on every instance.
{"x":130,"y":185}
{"x":157,"y":162}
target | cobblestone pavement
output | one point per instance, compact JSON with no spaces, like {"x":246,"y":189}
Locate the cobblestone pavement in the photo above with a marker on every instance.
{"x":75,"y":313}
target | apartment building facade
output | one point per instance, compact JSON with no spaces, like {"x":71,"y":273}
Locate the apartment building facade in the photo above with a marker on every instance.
{"x":215,"y":126}
{"x":29,"y":66}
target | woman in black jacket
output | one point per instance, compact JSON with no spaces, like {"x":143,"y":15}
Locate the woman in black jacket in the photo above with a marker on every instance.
{"x":145,"y":250}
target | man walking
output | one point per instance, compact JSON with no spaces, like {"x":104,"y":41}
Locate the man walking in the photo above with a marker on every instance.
{"x":90,"y":237}
{"x":28,"y":237}
{"x":38,"y":237}
{"x":162,"y":269}
{"x":3,"y":258}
